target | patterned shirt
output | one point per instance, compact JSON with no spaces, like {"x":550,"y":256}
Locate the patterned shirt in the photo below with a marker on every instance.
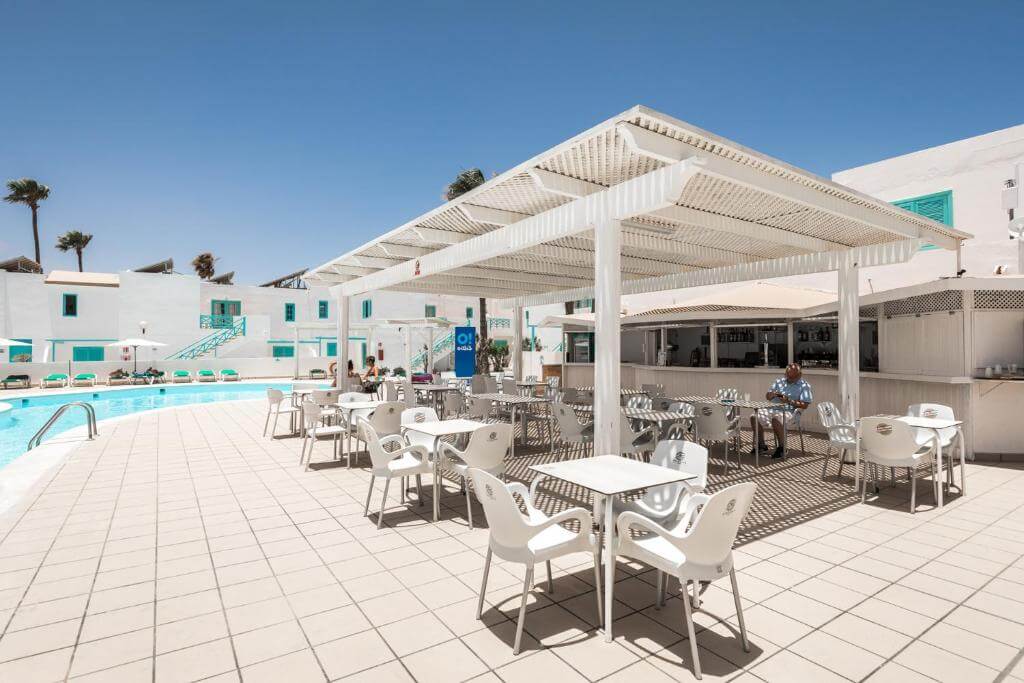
{"x":799,"y":390}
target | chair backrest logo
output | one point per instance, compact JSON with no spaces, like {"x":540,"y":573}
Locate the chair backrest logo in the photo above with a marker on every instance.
{"x":883,"y":428}
{"x":930,"y":412}
{"x":489,"y":491}
{"x":706,"y":411}
{"x":729,"y":507}
{"x":679,"y":458}
{"x":493,"y":436}
{"x":828,"y":411}
{"x":420,"y":417}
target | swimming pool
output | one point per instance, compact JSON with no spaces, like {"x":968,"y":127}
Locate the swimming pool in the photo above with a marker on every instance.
{"x":30,"y":413}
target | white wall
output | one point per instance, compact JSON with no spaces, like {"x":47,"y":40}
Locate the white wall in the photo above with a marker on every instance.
{"x":975,"y":170}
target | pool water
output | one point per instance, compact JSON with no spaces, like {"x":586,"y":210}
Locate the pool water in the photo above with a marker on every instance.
{"x":31,"y":413}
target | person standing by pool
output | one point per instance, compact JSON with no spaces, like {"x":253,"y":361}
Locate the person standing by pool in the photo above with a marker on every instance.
{"x":793,"y":395}
{"x":372,"y":376}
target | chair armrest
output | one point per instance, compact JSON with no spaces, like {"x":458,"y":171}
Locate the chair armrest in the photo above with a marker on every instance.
{"x":632,"y":519}
{"x":642,"y":432}
{"x":534,"y":485}
{"x":392,"y":438}
{"x":690,"y":506}
{"x":447,"y":450}
{"x":586,"y":520}
{"x":516,"y":487}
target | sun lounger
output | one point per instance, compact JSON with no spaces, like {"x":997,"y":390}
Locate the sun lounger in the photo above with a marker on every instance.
{"x":228,"y":375}
{"x":159,"y":377}
{"x":206,"y":376}
{"x":57,"y":379}
{"x":181,"y":376}
{"x":114,"y":381}
{"x":17,"y":382}
{"x":141,"y":378}
{"x":84,"y":379}
{"x":318,"y":373}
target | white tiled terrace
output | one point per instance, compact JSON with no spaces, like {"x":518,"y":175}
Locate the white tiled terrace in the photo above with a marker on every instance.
{"x":181,"y":545}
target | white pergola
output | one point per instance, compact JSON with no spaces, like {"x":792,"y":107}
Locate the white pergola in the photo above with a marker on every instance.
{"x":640,"y":203}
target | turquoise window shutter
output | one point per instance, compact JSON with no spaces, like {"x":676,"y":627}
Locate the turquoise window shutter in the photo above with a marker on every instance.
{"x":289,"y":313}
{"x":367,"y":308}
{"x":938,"y":207}
{"x":87,"y":353}
{"x":284,"y":352}
{"x":323,"y":310}
{"x":332,"y":349}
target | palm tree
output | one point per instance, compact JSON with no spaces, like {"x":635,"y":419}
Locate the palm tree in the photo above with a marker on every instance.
{"x":29,"y":192}
{"x":203,"y":265}
{"x":465,"y":181}
{"x":76,"y":241}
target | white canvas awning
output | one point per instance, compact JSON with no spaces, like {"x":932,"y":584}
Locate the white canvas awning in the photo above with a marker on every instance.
{"x":640,"y":203}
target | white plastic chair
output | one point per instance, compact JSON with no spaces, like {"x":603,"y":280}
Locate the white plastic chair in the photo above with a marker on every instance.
{"x":276,"y":407}
{"x":490,"y":384}
{"x":386,"y":420}
{"x":454,"y":403}
{"x":640,"y":401}
{"x":478,"y":408}
{"x":570,"y":430}
{"x":891,"y":443}
{"x":701,"y":554}
{"x":314,"y":429}
{"x":666,"y":504}
{"x":842,"y":435}
{"x":946,"y":436}
{"x":418,"y":416}
{"x":408,"y":393}
{"x":713,"y":425}
{"x":687,"y":425}
{"x":530,"y":538}
{"x":485,"y":450}
{"x":634,"y":443}
{"x":478,"y":385}
{"x":404,"y":462}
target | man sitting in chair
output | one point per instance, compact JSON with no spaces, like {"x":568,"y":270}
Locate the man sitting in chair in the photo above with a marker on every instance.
{"x":792,"y":394}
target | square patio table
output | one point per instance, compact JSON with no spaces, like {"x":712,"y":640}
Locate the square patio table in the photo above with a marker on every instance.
{"x":437,"y":430}
{"x":610,"y":476}
{"x":434,"y":391}
{"x":933,"y":424}
{"x":513,"y":401}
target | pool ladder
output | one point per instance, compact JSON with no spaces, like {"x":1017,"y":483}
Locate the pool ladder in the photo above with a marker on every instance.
{"x":90,"y":413}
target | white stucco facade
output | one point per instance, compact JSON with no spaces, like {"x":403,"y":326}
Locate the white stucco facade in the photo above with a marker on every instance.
{"x":171,"y":307}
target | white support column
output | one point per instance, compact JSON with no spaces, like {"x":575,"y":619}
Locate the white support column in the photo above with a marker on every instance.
{"x":517,"y":343}
{"x":607,"y":337}
{"x":295,"y":353}
{"x":664,"y":345}
{"x":341,"y":372}
{"x":430,"y":349}
{"x":408,"y":351}
{"x":849,"y":337}
{"x":713,"y":346}
{"x":790,"y":351}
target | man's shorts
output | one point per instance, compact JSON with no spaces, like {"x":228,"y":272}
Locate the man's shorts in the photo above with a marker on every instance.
{"x":765,"y":416}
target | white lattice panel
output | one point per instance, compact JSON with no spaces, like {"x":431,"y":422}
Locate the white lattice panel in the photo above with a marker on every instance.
{"x":999,"y":299}
{"x":926,"y":303}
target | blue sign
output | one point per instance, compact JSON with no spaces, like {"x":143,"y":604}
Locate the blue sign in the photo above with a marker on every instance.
{"x":465,"y":351}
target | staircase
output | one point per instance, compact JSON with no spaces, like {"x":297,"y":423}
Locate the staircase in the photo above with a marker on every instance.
{"x":446,"y":344}
{"x":226,"y":329}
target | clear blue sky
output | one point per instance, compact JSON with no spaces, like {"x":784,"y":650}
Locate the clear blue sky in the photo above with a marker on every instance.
{"x":278,"y":135}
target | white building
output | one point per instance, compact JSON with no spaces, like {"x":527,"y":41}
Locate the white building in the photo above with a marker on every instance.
{"x":69,"y":316}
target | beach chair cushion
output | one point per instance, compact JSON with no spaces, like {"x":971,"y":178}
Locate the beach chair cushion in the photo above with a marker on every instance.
{"x":228,"y":372}
{"x":81,"y":377}
{"x":205,"y":373}
{"x":181,"y":373}
{"x":56,"y":377}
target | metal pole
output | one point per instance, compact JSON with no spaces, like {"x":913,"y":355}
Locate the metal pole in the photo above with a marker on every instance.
{"x":849,"y":338}
{"x":607,"y":337}
{"x":430,"y":349}
{"x":408,"y":351}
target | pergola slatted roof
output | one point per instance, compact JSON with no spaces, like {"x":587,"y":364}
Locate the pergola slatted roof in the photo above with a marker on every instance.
{"x":687,"y":200}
